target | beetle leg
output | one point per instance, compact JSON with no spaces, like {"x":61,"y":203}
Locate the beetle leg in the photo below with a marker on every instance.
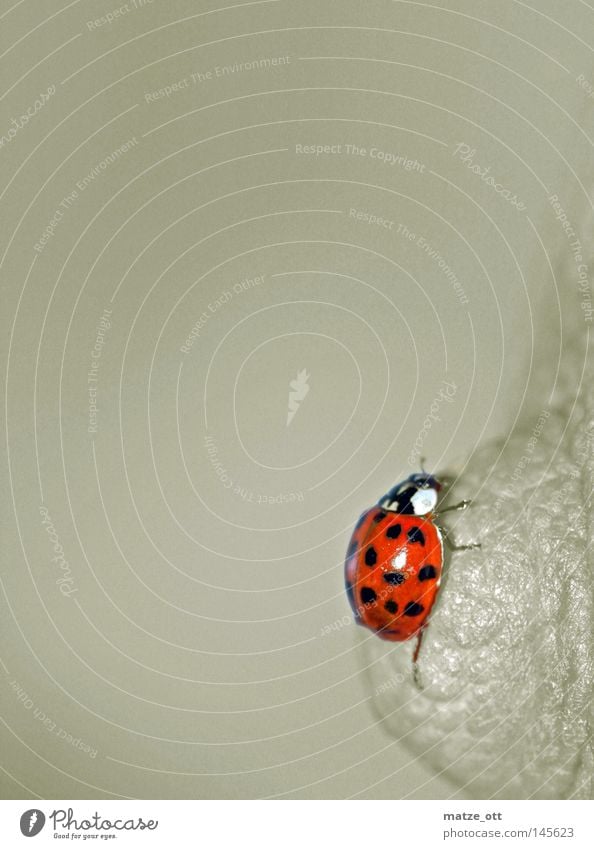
{"x":462,"y":505}
{"x":416,"y":670}
{"x":453,"y":547}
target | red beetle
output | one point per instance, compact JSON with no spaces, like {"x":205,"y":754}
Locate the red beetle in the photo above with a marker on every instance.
{"x":394,"y":561}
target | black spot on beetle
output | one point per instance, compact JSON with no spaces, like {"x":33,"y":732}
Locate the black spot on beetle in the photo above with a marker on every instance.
{"x":415,"y":534}
{"x":368,"y":595}
{"x":379,"y":516}
{"x":371,"y":556}
{"x":394,"y":531}
{"x":394,"y":578}
{"x":404,"y":498}
{"x":391,"y":606}
{"x":413,"y":608}
{"x":427,"y":573}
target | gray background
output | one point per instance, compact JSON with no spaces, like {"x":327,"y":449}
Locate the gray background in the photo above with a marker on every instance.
{"x":205,"y":647}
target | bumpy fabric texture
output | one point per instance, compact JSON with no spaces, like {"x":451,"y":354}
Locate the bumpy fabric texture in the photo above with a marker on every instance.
{"x":507,"y":708}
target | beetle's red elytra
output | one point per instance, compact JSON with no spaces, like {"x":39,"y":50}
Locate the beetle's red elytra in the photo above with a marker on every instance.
{"x":394,"y":561}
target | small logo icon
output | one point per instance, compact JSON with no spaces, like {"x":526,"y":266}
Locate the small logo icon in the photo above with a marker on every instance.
{"x":32,"y":822}
{"x":298,"y":390}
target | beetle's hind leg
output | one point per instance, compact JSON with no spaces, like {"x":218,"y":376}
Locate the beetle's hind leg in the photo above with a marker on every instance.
{"x":415,"y":665}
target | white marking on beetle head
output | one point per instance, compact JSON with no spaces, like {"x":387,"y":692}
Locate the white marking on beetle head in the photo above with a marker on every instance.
{"x":424,"y":501}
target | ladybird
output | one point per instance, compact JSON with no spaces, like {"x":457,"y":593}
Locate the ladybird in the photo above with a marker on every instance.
{"x":394,"y":561}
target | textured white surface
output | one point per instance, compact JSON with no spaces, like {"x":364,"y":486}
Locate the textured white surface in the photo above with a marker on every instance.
{"x":507,"y":662}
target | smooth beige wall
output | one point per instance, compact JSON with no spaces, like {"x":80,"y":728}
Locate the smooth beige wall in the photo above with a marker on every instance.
{"x":213,"y":218}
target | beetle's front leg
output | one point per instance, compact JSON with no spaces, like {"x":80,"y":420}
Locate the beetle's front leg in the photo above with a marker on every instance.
{"x":452,"y":545}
